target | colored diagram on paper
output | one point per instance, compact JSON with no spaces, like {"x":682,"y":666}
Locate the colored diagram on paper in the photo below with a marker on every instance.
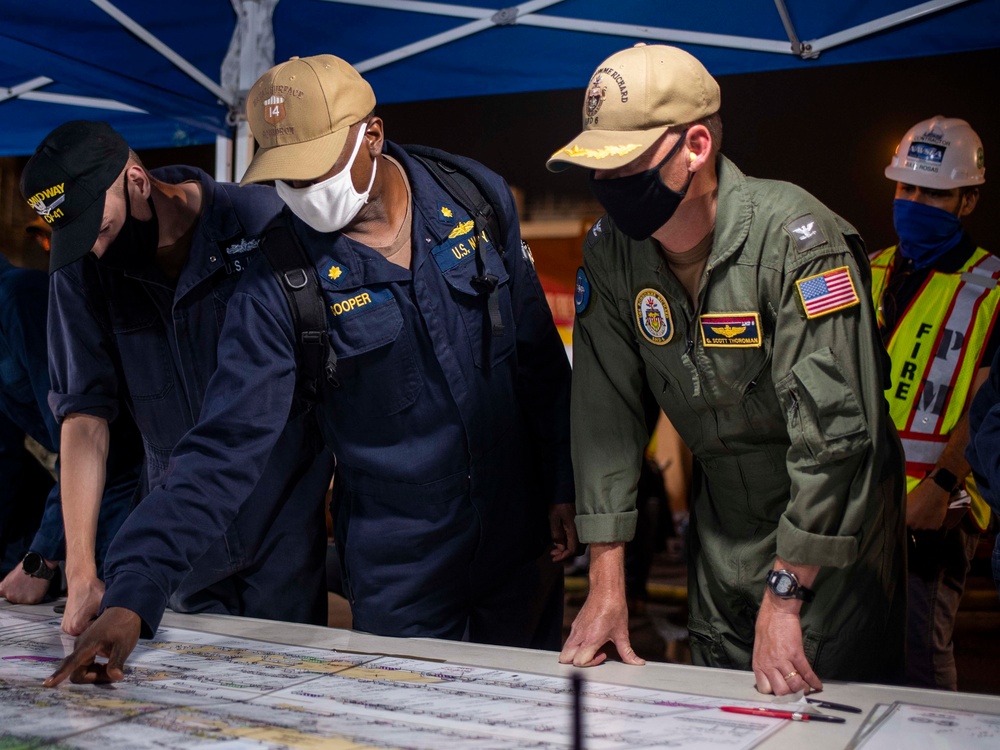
{"x":187,"y":689}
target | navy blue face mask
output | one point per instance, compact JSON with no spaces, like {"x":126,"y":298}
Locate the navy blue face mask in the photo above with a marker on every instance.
{"x":135,"y":246}
{"x":925,"y":232}
{"x":640,"y":203}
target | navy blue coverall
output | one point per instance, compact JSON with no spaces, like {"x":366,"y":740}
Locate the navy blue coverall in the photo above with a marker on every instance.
{"x":24,"y":410}
{"x":113,"y":333}
{"x":451,"y":441}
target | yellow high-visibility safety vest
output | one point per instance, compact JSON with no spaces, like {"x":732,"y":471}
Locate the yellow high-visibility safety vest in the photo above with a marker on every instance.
{"x":936,"y":350}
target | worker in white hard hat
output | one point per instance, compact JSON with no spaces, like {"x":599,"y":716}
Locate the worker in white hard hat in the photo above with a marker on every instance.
{"x":936,"y":295}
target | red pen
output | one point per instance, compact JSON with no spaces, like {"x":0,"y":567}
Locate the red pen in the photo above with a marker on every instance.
{"x":773,"y":713}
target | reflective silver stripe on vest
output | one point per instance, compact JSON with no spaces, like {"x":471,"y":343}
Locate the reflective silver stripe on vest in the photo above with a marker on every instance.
{"x":929,"y":408}
{"x":923,"y":450}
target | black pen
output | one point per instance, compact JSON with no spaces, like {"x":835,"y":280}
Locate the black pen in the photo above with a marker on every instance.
{"x":834,"y":706}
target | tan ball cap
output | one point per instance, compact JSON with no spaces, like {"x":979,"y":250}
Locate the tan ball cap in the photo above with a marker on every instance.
{"x":300,"y":112}
{"x":632,"y":98}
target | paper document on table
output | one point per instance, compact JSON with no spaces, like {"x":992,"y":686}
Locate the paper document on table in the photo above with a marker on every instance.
{"x":187,"y":689}
{"x":904,"y":725}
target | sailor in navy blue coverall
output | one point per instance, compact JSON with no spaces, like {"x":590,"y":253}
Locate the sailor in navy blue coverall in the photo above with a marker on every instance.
{"x":452,"y":442}
{"x":154,"y":337}
{"x":24,"y":390}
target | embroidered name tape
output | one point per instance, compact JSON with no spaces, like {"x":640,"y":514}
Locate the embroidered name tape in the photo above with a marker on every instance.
{"x":734,"y":330}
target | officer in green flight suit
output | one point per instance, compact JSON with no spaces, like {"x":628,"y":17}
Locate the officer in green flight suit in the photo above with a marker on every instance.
{"x":742,"y":308}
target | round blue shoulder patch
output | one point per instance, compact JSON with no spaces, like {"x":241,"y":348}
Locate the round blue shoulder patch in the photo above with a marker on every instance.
{"x":581,"y":298}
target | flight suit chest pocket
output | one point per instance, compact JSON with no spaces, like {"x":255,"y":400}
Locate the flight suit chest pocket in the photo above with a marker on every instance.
{"x":145,"y":354}
{"x":376,"y":365}
{"x":488,"y":347}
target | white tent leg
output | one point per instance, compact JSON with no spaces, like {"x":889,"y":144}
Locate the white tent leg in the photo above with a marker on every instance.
{"x":223,"y":158}
{"x":243,"y":148}
{"x":251,"y":52}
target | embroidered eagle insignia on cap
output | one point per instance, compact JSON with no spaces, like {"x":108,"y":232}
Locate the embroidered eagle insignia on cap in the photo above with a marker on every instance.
{"x":805,"y":232}
{"x":738,"y":330}
{"x":652,"y":313}
{"x":49,"y":211}
{"x":827,"y":292}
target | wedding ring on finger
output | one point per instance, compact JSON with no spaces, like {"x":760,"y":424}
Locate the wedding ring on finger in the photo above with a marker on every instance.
{"x":790,"y":675}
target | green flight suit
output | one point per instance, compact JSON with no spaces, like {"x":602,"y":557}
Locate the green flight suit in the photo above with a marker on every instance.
{"x":785,"y":415}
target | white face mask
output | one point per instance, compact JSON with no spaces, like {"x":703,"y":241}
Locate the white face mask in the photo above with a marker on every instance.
{"x":330,"y":205}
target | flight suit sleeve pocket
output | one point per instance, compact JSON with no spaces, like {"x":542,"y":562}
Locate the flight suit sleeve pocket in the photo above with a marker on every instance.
{"x":824,"y":415}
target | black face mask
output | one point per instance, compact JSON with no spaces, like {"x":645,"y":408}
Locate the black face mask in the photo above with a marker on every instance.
{"x":135,"y":246}
{"x":640,"y":203}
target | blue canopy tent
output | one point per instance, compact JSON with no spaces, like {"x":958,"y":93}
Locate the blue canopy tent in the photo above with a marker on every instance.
{"x":174,"y":73}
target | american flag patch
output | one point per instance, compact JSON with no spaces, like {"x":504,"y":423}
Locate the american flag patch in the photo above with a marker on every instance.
{"x":827,"y":292}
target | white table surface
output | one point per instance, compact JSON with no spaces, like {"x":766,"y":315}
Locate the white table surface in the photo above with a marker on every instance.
{"x":673,"y":677}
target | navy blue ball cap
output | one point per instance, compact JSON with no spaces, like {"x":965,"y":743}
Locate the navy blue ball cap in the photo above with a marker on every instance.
{"x":65,"y":183}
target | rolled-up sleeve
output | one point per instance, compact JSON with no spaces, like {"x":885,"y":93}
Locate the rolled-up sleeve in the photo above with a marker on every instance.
{"x":608,"y":418}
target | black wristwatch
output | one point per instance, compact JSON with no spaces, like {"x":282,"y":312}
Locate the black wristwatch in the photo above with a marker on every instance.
{"x":944,"y":479}
{"x":784,"y":585}
{"x":34,"y":565}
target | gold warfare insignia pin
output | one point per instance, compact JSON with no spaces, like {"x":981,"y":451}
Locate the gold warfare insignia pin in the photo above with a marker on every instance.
{"x":652,"y":313}
{"x":731,"y":330}
{"x":463,"y":228}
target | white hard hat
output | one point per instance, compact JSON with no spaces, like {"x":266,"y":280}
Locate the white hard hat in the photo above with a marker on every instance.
{"x":940,"y":153}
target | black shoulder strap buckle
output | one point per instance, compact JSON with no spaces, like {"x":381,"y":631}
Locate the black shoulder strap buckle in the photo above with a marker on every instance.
{"x":298,"y":281}
{"x":471,"y":192}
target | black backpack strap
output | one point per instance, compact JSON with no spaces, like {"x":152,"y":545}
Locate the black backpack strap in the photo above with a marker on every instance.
{"x":465,"y":186}
{"x":297,"y":279}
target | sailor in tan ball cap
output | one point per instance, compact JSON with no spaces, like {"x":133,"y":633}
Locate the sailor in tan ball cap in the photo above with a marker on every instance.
{"x":728,"y":300}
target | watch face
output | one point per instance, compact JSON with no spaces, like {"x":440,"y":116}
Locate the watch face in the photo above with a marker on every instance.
{"x":782,"y":585}
{"x":32,"y":561}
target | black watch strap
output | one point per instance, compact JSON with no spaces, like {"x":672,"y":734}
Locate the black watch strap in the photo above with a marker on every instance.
{"x":785,"y":585}
{"x":945,"y":480}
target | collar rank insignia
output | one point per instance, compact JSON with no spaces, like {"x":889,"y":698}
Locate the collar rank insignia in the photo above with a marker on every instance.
{"x":334,"y":272}
{"x":731,"y":330}
{"x":652,"y":313}
{"x":827,"y":292}
{"x":805,"y":232}
{"x":445,"y":213}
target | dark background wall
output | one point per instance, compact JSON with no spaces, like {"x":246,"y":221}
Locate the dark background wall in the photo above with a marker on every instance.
{"x":831,"y":130}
